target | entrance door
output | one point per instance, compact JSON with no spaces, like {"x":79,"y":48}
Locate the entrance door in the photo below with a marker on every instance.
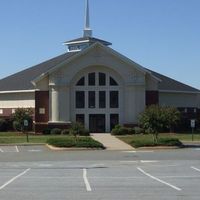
{"x":97,"y":123}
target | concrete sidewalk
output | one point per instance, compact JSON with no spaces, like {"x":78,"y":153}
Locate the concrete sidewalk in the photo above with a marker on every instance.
{"x":111,"y":142}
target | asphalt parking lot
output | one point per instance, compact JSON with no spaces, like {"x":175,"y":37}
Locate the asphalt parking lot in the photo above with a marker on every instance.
{"x":37,"y":173}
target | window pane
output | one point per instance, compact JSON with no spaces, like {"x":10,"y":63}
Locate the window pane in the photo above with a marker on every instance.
{"x":91,"y":78}
{"x":114,"y":99}
{"x":114,"y":120}
{"x":102,"y":99}
{"x":112,"y":81}
{"x":80,"y":99}
{"x":80,"y":118}
{"x":102,"y":79}
{"x":91,"y":101}
{"x":81,"y":81}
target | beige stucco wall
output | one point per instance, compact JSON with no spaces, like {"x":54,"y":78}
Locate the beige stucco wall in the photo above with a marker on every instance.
{"x":179,"y":99}
{"x":15,"y":100}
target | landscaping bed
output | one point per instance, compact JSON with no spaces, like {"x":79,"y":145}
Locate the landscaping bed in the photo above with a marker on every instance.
{"x":147,"y":141}
{"x":72,"y":142}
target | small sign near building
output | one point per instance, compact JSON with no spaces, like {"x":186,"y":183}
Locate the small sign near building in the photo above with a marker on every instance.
{"x":25,"y":123}
{"x":192,"y":123}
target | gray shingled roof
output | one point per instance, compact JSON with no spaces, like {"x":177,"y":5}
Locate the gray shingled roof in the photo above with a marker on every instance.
{"x":22,"y":80}
{"x":170,"y":84}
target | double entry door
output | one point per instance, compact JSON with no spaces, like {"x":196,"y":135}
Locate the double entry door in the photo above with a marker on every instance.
{"x":97,"y":123}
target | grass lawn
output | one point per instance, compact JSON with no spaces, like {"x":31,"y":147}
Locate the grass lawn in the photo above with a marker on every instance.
{"x":14,"y":137}
{"x":145,"y":140}
{"x":55,"y":140}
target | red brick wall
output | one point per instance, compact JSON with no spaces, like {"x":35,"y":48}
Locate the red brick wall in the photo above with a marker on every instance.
{"x":152,"y":97}
{"x":41,"y":101}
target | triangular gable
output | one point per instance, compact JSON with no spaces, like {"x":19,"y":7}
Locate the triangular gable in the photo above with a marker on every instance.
{"x":87,"y":50}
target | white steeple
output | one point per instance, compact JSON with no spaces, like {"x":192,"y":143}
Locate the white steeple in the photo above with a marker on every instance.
{"x":87,"y":31}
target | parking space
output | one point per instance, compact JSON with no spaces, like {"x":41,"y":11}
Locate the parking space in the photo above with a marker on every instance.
{"x":121,"y":177}
{"x":17,"y":149}
{"x":144,"y":181}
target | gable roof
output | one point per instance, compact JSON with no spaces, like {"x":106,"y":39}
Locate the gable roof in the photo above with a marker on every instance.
{"x":169,"y":84}
{"x":23,"y":79}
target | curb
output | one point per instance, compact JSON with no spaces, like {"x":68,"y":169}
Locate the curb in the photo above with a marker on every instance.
{"x":71,"y":149}
{"x":160,"y":148}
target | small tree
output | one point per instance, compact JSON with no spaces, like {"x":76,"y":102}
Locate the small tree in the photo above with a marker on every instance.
{"x":76,"y":129}
{"x":172,"y":117}
{"x":151,"y":121}
{"x":155,"y":119}
{"x":19,"y":116}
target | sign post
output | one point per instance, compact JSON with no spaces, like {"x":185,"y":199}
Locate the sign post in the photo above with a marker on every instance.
{"x":25,"y":129}
{"x":192,"y":124}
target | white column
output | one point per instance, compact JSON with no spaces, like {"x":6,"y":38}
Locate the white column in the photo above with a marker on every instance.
{"x":55,"y":104}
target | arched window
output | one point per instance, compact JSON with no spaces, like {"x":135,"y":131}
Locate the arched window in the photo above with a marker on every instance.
{"x":81,"y":82}
{"x":112,"y":82}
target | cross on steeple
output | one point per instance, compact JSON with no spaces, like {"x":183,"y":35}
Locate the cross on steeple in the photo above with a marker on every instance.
{"x":87,"y":30}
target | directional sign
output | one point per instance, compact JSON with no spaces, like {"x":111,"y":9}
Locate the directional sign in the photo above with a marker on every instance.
{"x":25,"y":122}
{"x":192,"y":123}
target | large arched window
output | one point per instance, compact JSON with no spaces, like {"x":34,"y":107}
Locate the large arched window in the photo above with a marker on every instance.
{"x":92,"y":80}
{"x":97,"y":100}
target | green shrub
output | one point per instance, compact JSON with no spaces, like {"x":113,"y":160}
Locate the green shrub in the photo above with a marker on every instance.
{"x":138,"y":130}
{"x":88,"y":142}
{"x":62,"y":142}
{"x":170,"y":142}
{"x":46,"y":131}
{"x":3,"y":125}
{"x":65,"y":132}
{"x":79,"y":142}
{"x":55,"y":131}
{"x":17,"y":126}
{"x":161,"y":142}
{"x":78,"y":129}
{"x":131,"y":131}
{"x":119,"y":130}
{"x":84,"y":132}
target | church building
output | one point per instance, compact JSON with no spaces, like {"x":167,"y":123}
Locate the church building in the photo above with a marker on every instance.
{"x":93,"y":84}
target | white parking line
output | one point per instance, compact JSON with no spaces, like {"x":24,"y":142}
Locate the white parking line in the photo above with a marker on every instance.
{"x":87,"y":184}
{"x":150,"y":151}
{"x":1,"y":150}
{"x":159,"y":180}
{"x":17,"y":150}
{"x":148,"y":161}
{"x":14,"y":178}
{"x":137,"y":161}
{"x":195,"y":169}
{"x":34,"y":150}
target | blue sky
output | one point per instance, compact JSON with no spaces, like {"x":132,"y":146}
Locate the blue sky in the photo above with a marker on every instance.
{"x":162,"y":35}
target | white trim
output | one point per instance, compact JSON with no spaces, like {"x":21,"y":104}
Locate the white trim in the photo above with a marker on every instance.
{"x":178,"y":91}
{"x":16,"y":91}
{"x":76,"y":42}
